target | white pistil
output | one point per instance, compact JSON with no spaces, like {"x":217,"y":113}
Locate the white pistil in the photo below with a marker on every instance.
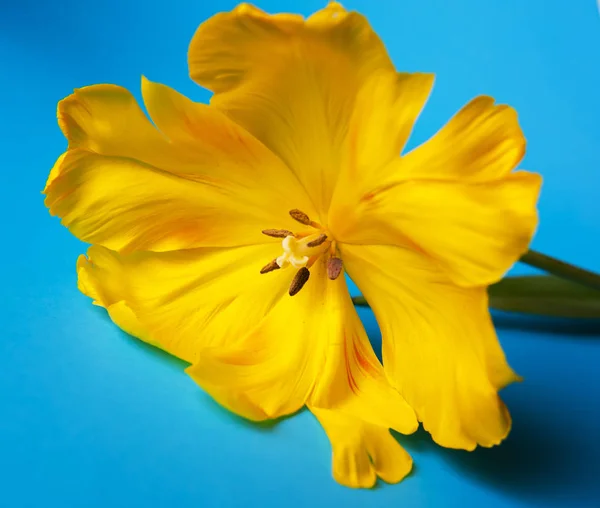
{"x":301,"y":250}
{"x":297,"y":252}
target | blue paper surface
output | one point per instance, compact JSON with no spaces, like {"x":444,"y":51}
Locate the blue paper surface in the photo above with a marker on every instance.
{"x":90,"y":417}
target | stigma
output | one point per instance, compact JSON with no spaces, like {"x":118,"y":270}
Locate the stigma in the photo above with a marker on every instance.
{"x":302,"y":249}
{"x":298,"y":252}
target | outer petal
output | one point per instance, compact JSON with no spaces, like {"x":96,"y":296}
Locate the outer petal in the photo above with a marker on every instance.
{"x":309,"y":347}
{"x":124,"y":185}
{"x":290,"y":82}
{"x":118,"y":310}
{"x":362,"y":451}
{"x":184,"y":301}
{"x":439,"y":345}
{"x":455,"y":197}
{"x":482,"y":142}
{"x":474,"y":231}
{"x":386,"y":109}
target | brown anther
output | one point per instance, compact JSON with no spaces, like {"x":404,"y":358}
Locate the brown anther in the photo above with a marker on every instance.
{"x":317,"y":241}
{"x":277,"y":233}
{"x":301,"y":217}
{"x":299,"y":280}
{"x":334,"y":268}
{"x":270,"y":267}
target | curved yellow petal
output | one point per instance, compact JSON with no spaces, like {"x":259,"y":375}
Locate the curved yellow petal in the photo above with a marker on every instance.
{"x":482,"y":142}
{"x":107,"y":120}
{"x":118,"y":310}
{"x":228,"y":152}
{"x":352,"y":381}
{"x":187,"y":300}
{"x":122,"y":184}
{"x":310,"y":347}
{"x":455,"y":197}
{"x":361,"y":451}
{"x":439,"y":346}
{"x":385,"y":112}
{"x":475,"y":231}
{"x":290,"y":82}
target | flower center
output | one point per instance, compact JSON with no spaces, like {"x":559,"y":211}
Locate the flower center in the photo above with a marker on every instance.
{"x":302,"y":249}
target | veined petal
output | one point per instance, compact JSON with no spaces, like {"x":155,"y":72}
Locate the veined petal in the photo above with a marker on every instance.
{"x":352,"y":380}
{"x":187,"y":300}
{"x":292,"y":83}
{"x":439,"y":346}
{"x":361,"y":451}
{"x":311,"y":347}
{"x":475,"y":231}
{"x":122,"y":184}
{"x":127,"y":205}
{"x":482,"y":142}
{"x":233,"y":154}
{"x":455,"y":197}
{"x":386,"y":109}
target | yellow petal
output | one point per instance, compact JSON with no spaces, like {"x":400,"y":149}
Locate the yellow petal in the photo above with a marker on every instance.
{"x":184,"y":301}
{"x":122,"y":184}
{"x":482,"y":142}
{"x":352,"y":380}
{"x":106,"y":119}
{"x":454,"y":197}
{"x":475,"y":231}
{"x":439,"y":346}
{"x":290,"y":82}
{"x":362,"y":451}
{"x":386,"y":109}
{"x":227,"y":152}
{"x":310,"y":346}
{"x":118,"y":310}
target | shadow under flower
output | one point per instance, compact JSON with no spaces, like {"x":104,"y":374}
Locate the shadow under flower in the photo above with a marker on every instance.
{"x":180,"y":366}
{"x":149,"y":349}
{"x":263,"y":426}
{"x":536,"y":462}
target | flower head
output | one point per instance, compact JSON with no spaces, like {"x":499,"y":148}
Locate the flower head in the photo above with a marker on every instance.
{"x":221,"y":232}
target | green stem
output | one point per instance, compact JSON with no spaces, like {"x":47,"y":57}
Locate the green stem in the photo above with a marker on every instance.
{"x":360,"y":301}
{"x":561,"y":269}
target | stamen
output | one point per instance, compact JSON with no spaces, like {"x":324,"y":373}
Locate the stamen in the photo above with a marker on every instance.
{"x":312,"y":260}
{"x":303,"y":234}
{"x":270,"y":267}
{"x":277,"y":233}
{"x":300,"y":216}
{"x":299,"y":280}
{"x":334,"y":268}
{"x":317,"y":241}
{"x":332,"y":247}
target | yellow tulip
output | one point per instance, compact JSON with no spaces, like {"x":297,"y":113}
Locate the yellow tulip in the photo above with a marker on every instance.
{"x":221,"y":232}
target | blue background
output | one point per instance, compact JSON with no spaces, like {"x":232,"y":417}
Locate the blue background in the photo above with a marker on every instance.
{"x":90,"y":417}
